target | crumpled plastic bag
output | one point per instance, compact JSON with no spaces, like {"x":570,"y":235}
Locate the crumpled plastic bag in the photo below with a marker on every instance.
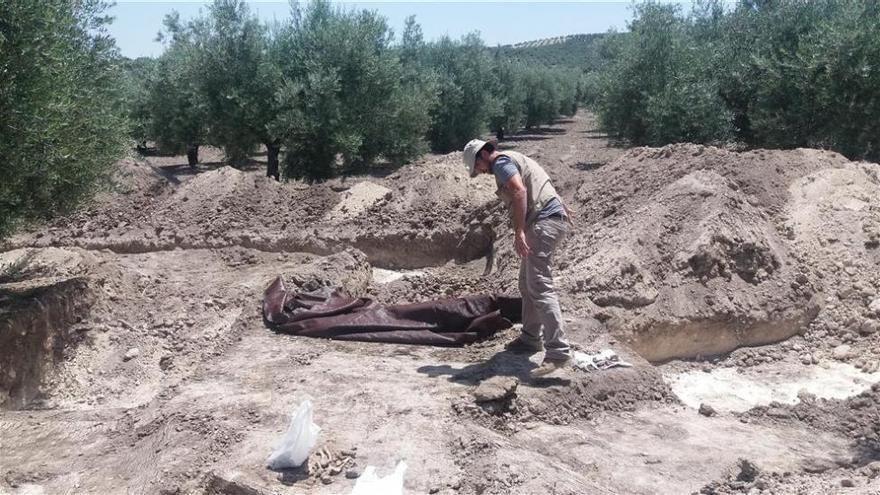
{"x":371,"y":484}
{"x":298,"y":441}
{"x":602,"y":360}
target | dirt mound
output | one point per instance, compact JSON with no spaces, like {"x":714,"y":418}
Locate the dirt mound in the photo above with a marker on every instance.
{"x":434,"y":213}
{"x":694,"y":270}
{"x":356,"y":200}
{"x":834,"y":223}
{"x":690,"y":250}
{"x":422,"y":215}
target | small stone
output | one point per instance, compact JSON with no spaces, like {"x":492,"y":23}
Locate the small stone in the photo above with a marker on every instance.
{"x":874,"y":307}
{"x":807,"y":359}
{"x":433,"y":489}
{"x":848,"y":483}
{"x":869,"y":327}
{"x":815,"y":465}
{"x":707,"y":410}
{"x":841,"y":352}
{"x":496,"y":388}
{"x":804,"y":396}
{"x":352,"y":474}
{"x":778,"y":412}
{"x":748,"y":471}
{"x":131,"y":354}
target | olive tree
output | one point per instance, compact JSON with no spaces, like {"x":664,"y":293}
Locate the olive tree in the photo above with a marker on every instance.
{"x":344,"y":101}
{"x":60,"y":125}
{"x":178,"y":120}
{"x":238,"y":80}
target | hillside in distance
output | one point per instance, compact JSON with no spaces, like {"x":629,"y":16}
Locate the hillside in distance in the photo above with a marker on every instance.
{"x":576,"y":51}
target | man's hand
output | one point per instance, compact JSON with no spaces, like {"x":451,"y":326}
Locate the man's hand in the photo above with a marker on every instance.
{"x":569,"y":214}
{"x":520,"y":244}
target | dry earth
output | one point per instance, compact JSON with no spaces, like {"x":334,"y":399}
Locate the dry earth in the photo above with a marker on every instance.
{"x":133,"y":358}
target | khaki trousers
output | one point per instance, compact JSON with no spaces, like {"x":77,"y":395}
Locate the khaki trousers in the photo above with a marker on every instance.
{"x":542,"y":316}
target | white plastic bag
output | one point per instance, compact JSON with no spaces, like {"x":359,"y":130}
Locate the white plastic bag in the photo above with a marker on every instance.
{"x":602,"y":360}
{"x":301,"y":436}
{"x":370,"y":484}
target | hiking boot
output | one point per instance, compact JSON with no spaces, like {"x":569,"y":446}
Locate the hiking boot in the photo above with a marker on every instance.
{"x":520,"y":346}
{"x":549,"y":366}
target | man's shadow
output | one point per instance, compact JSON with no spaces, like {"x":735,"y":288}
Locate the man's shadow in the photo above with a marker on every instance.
{"x":504,"y":363}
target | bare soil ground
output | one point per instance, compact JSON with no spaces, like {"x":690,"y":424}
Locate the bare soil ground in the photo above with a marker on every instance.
{"x":133,"y":358}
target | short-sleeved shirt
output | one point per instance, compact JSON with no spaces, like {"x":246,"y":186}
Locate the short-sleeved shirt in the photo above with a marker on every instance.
{"x":504,"y":169}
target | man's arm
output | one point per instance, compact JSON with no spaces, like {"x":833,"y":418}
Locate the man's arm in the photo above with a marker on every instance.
{"x":517,"y":191}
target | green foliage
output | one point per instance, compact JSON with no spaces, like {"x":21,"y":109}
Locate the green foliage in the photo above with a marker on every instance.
{"x":60,"y":128}
{"x":237,"y":79}
{"x":464,"y":78}
{"x":346,"y":99}
{"x":781,"y":73}
{"x":580,"y":52}
{"x":136,"y":77}
{"x":510,"y":110}
{"x":178,"y":111}
{"x":332,"y":88}
{"x":811,"y":77}
{"x":658,"y":88}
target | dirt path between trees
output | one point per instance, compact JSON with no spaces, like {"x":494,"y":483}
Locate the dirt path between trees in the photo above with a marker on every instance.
{"x":135,"y":360}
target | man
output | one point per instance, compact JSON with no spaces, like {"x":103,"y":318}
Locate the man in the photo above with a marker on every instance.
{"x":539,"y":225}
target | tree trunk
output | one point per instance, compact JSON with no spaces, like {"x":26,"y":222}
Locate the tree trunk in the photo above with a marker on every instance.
{"x":192,"y":155}
{"x":272,"y":151}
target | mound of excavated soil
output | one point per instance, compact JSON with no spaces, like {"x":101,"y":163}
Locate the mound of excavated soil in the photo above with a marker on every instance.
{"x":693,"y":251}
{"x":422,"y":215}
{"x":356,"y":200}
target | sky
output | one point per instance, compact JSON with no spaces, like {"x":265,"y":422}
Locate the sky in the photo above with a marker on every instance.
{"x":499,"y":22}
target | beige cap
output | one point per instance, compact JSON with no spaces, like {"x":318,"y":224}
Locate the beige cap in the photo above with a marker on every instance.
{"x":470,"y":154}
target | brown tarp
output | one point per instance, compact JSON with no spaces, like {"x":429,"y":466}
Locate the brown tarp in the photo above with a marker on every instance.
{"x":453,"y":321}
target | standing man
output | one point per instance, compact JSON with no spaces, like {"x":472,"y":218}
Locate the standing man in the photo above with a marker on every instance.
{"x":539,"y":225}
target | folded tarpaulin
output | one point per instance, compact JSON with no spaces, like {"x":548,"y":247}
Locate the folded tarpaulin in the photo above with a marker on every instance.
{"x":453,"y":321}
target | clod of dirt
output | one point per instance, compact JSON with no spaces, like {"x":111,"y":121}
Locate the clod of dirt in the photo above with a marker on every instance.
{"x":748,"y":471}
{"x":816,"y":466}
{"x":841,"y":352}
{"x":347,"y":271}
{"x":496,"y":388}
{"x":131,"y":354}
{"x":707,"y":410}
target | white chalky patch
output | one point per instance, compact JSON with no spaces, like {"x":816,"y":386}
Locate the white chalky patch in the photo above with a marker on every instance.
{"x":726,"y":389}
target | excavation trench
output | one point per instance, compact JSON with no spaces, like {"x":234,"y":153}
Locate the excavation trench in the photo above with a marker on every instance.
{"x":396,"y":250}
{"x":689,"y":339}
{"x":37,"y":321}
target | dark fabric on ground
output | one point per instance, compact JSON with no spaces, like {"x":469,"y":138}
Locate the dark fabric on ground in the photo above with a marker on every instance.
{"x":454,"y":321}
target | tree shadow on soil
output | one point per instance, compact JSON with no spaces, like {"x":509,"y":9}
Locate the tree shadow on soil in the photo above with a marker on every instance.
{"x":174,"y":172}
{"x":291,"y":476}
{"x":516,"y":139}
{"x":865,"y":454}
{"x":504,"y":363}
{"x":543,"y":131}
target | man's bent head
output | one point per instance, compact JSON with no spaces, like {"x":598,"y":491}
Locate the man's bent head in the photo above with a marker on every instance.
{"x":477,"y":156}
